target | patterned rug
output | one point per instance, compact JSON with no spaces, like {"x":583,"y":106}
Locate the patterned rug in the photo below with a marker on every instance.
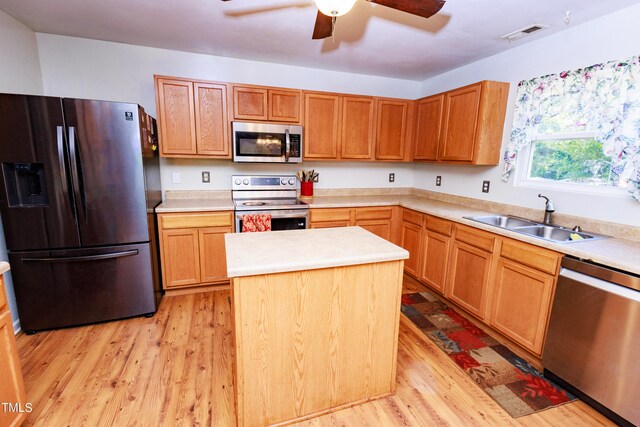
{"x":514,"y":384}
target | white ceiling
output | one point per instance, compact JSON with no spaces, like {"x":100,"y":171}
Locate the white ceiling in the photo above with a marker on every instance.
{"x":371,"y":39}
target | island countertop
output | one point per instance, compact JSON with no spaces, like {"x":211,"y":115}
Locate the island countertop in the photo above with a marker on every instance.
{"x":250,"y":254}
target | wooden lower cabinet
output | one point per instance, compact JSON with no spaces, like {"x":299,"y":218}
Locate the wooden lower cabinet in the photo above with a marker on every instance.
{"x":192,"y":248}
{"x":410,"y":240}
{"x":524,"y":285}
{"x":11,"y":383}
{"x":378,"y":220}
{"x":469,"y":277}
{"x":435,"y":259}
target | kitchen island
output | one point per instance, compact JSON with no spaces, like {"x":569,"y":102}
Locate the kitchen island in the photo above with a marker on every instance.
{"x":315,"y":315}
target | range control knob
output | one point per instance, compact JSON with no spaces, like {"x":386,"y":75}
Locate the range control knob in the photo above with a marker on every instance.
{"x":283,"y":181}
{"x":245,"y":181}
{"x":238,"y":181}
{"x":291,"y":181}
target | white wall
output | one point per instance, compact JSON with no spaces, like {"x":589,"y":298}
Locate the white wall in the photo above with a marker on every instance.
{"x":19,"y":73}
{"x":84,"y":68}
{"x":610,"y":37}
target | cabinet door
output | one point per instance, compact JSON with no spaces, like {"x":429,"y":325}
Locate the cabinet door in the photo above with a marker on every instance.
{"x":460,"y":122}
{"x":321,"y":126}
{"x":284,"y":105}
{"x":180,"y":258}
{"x":379,"y":227}
{"x":521,"y":303}
{"x":469,"y":277}
{"x":250,"y":103}
{"x":212,"y":120}
{"x":12,"y":384}
{"x":435,"y":259}
{"x":176,"y":115}
{"x":213,"y":259}
{"x":410,"y":240}
{"x":358,"y":128}
{"x":428,"y":127}
{"x":391,"y":130}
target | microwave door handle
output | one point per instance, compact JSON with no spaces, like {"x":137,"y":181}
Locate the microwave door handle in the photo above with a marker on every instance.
{"x":287,"y":144}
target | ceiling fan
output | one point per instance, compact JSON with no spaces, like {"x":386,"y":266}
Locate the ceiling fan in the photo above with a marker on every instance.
{"x":329,"y":10}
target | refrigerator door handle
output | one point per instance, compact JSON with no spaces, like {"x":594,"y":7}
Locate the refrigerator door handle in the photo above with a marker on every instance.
{"x":63,"y":168}
{"x":84,"y":257}
{"x":76,"y":172}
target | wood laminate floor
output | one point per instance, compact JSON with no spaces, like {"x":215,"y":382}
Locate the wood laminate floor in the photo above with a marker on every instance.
{"x":175,"y":369}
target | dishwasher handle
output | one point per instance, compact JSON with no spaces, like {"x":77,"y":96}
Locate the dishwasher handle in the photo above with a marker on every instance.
{"x":594,"y":282}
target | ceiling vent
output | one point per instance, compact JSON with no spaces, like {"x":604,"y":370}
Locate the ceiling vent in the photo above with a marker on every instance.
{"x":524,"y":32}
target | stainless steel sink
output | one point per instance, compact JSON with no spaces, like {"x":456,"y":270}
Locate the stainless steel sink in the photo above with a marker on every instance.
{"x":503,"y":221}
{"x":551,"y":233}
{"x":555,"y":234}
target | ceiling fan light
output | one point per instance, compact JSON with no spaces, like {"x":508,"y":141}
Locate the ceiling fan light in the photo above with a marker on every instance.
{"x":334,"y":7}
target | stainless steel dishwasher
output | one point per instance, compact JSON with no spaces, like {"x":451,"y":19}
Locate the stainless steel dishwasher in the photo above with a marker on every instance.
{"x":593,"y":339}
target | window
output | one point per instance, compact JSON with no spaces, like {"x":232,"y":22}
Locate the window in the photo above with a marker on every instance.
{"x":579,"y":129}
{"x":569,"y":160}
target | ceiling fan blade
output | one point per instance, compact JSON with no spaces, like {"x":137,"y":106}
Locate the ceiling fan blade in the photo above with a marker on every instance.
{"x":323,"y":27}
{"x":424,"y":8}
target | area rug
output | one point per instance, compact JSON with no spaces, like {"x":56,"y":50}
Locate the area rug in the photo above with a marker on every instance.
{"x":514,"y":384}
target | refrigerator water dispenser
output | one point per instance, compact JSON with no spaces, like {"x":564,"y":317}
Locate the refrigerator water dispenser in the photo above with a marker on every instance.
{"x":25,"y":184}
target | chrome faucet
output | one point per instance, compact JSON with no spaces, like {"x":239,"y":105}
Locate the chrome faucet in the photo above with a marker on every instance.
{"x":548,"y":209}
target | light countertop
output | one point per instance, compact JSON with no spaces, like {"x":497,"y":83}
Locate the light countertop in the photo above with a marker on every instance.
{"x":250,"y":254}
{"x":4,"y":267}
{"x":615,"y":252}
{"x":196,"y":205}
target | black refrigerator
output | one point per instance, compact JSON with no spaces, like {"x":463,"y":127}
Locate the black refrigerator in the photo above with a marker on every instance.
{"x":80,"y":181}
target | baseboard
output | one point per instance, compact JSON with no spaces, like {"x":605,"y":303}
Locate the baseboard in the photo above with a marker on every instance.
{"x":16,"y":327}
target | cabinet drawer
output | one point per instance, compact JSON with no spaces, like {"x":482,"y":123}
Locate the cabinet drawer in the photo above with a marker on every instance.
{"x":532,"y":256}
{"x":217,"y":219}
{"x":319,"y":215}
{"x":475,"y":237}
{"x":412,"y":217}
{"x":438,"y":225}
{"x":373,"y":213}
{"x":3,"y":295}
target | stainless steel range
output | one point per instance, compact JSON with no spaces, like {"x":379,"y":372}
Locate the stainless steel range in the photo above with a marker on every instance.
{"x":273,"y":194}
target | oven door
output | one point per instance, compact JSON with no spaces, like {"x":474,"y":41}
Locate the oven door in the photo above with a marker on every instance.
{"x":289,"y":219}
{"x":266,"y":143}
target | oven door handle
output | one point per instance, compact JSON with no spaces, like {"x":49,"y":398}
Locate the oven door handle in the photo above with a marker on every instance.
{"x":287,"y":145}
{"x":280,"y":214}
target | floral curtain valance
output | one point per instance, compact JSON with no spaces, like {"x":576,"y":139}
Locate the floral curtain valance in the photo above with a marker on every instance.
{"x":603,"y":98}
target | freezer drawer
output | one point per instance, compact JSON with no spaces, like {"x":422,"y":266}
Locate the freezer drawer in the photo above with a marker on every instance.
{"x":74,"y":287}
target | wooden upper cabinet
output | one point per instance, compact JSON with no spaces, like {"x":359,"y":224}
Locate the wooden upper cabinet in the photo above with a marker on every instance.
{"x":211,"y":119}
{"x":461,"y":118}
{"x":428,"y":127}
{"x":250,"y":103}
{"x":391,"y":130}
{"x":358,"y":128}
{"x":176,"y":116}
{"x":321,"y":125}
{"x":284,"y":105}
{"x":473,"y":123}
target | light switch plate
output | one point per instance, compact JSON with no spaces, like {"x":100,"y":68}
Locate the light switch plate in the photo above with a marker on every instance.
{"x":176,"y":178}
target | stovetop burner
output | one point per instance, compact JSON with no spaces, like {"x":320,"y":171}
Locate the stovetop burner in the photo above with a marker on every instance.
{"x":254,"y":203}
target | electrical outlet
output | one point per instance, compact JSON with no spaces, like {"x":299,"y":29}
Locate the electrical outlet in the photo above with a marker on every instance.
{"x":176,"y":178}
{"x":438,"y":181}
{"x":206,"y":177}
{"x":392,"y":177}
{"x":485,"y":186}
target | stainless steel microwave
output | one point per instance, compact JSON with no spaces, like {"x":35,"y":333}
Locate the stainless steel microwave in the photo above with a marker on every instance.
{"x":266,"y":143}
